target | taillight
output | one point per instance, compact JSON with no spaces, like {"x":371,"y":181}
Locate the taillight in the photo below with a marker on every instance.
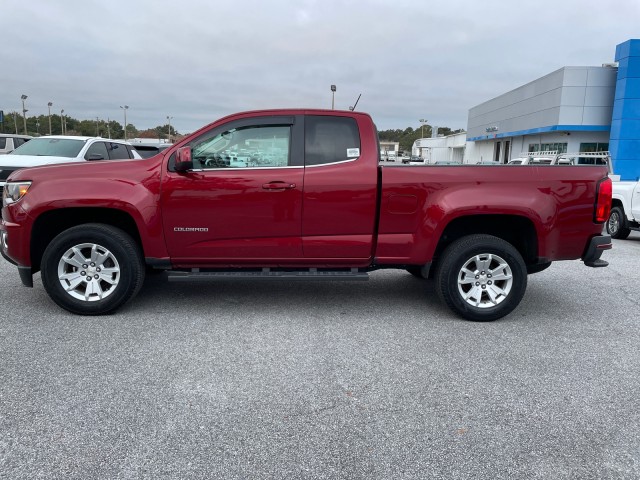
{"x":603,"y":200}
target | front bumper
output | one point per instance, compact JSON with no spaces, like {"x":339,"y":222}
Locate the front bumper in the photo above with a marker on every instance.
{"x":597,"y":245}
{"x":26,"y":275}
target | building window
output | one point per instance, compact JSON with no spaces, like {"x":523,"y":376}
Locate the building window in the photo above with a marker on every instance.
{"x":594,"y":147}
{"x":548,"y":147}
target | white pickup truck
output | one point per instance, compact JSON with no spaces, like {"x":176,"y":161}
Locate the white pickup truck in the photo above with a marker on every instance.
{"x":625,"y":209}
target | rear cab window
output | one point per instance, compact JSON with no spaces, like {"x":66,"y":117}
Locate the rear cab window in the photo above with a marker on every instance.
{"x":330,"y":139}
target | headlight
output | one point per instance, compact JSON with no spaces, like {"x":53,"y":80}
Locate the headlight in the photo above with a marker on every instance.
{"x":14,"y":191}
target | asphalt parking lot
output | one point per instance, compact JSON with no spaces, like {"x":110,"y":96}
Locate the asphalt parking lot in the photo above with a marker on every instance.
{"x":326,"y":380}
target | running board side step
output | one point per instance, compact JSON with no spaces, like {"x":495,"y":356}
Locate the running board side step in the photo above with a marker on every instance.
{"x":196,"y":274}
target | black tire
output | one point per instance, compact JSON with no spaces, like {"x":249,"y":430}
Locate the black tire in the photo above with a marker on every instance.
{"x":617,"y":224}
{"x":116,"y":275}
{"x":501,"y":270}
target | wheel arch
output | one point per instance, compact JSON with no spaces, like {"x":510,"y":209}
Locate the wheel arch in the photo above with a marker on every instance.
{"x":50,"y":224}
{"x":517,"y":230}
{"x":616,"y":202}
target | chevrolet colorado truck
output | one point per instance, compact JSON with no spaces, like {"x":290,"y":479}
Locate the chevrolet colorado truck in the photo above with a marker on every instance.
{"x":309,"y":200}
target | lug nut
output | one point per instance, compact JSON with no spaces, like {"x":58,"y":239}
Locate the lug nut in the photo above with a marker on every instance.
{"x":88,"y":279}
{"x":83,"y":273}
{"x":84,"y":265}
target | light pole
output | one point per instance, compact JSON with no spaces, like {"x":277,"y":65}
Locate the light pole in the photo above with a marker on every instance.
{"x":423,"y":121}
{"x":62,"y":122}
{"x":50,"y":104}
{"x":169,"y":120}
{"x":125,"y":108}
{"x":38,"y":127}
{"x":24,"y":113}
{"x":333,"y":96}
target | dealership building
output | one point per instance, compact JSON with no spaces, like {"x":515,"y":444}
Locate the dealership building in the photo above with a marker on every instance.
{"x":573,"y":109}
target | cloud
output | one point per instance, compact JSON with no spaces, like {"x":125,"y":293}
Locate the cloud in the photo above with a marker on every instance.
{"x":197,"y":61}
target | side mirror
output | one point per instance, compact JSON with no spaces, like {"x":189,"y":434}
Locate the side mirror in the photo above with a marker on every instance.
{"x":95,"y":156}
{"x":183,"y":159}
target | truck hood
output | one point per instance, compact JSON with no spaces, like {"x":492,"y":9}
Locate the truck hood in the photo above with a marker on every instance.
{"x":25,"y":161}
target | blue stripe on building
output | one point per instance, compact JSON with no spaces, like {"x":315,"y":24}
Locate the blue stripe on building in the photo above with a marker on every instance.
{"x":624,"y":142}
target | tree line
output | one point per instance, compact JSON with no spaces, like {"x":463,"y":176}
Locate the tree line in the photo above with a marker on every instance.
{"x":39,"y":125}
{"x":408,"y":136}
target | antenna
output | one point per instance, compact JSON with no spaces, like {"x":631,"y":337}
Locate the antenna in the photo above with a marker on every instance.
{"x":354,"y":105}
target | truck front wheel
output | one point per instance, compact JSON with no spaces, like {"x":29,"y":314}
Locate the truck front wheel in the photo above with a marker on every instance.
{"x":617,"y":224}
{"x":92,"y":269}
{"x":481,"y":277}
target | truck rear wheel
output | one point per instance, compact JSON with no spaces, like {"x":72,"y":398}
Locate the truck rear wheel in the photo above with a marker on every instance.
{"x":92,"y":269}
{"x":481,"y":277}
{"x":617,"y":224}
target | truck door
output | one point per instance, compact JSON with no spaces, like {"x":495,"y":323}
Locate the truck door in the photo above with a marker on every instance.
{"x":242,"y":202}
{"x":340,"y":189}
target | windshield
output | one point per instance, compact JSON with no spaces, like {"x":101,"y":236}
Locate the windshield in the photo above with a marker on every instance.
{"x":51,"y":147}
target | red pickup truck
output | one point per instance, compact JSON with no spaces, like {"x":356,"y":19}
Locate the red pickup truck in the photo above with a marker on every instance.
{"x":298,"y":194}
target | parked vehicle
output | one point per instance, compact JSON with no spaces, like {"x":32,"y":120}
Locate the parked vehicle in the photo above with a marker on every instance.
{"x":531,"y":161}
{"x":625,"y":210}
{"x":414,"y":159}
{"x":446,"y":162}
{"x":90,"y":228}
{"x":587,"y":158}
{"x":58,"y":149}
{"x":9,"y":142}
{"x":147,"y":150}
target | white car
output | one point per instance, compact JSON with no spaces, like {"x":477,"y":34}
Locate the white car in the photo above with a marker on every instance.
{"x":55,"y":149}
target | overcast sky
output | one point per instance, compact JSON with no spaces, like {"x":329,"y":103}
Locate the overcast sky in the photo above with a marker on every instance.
{"x":199,"y":60}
